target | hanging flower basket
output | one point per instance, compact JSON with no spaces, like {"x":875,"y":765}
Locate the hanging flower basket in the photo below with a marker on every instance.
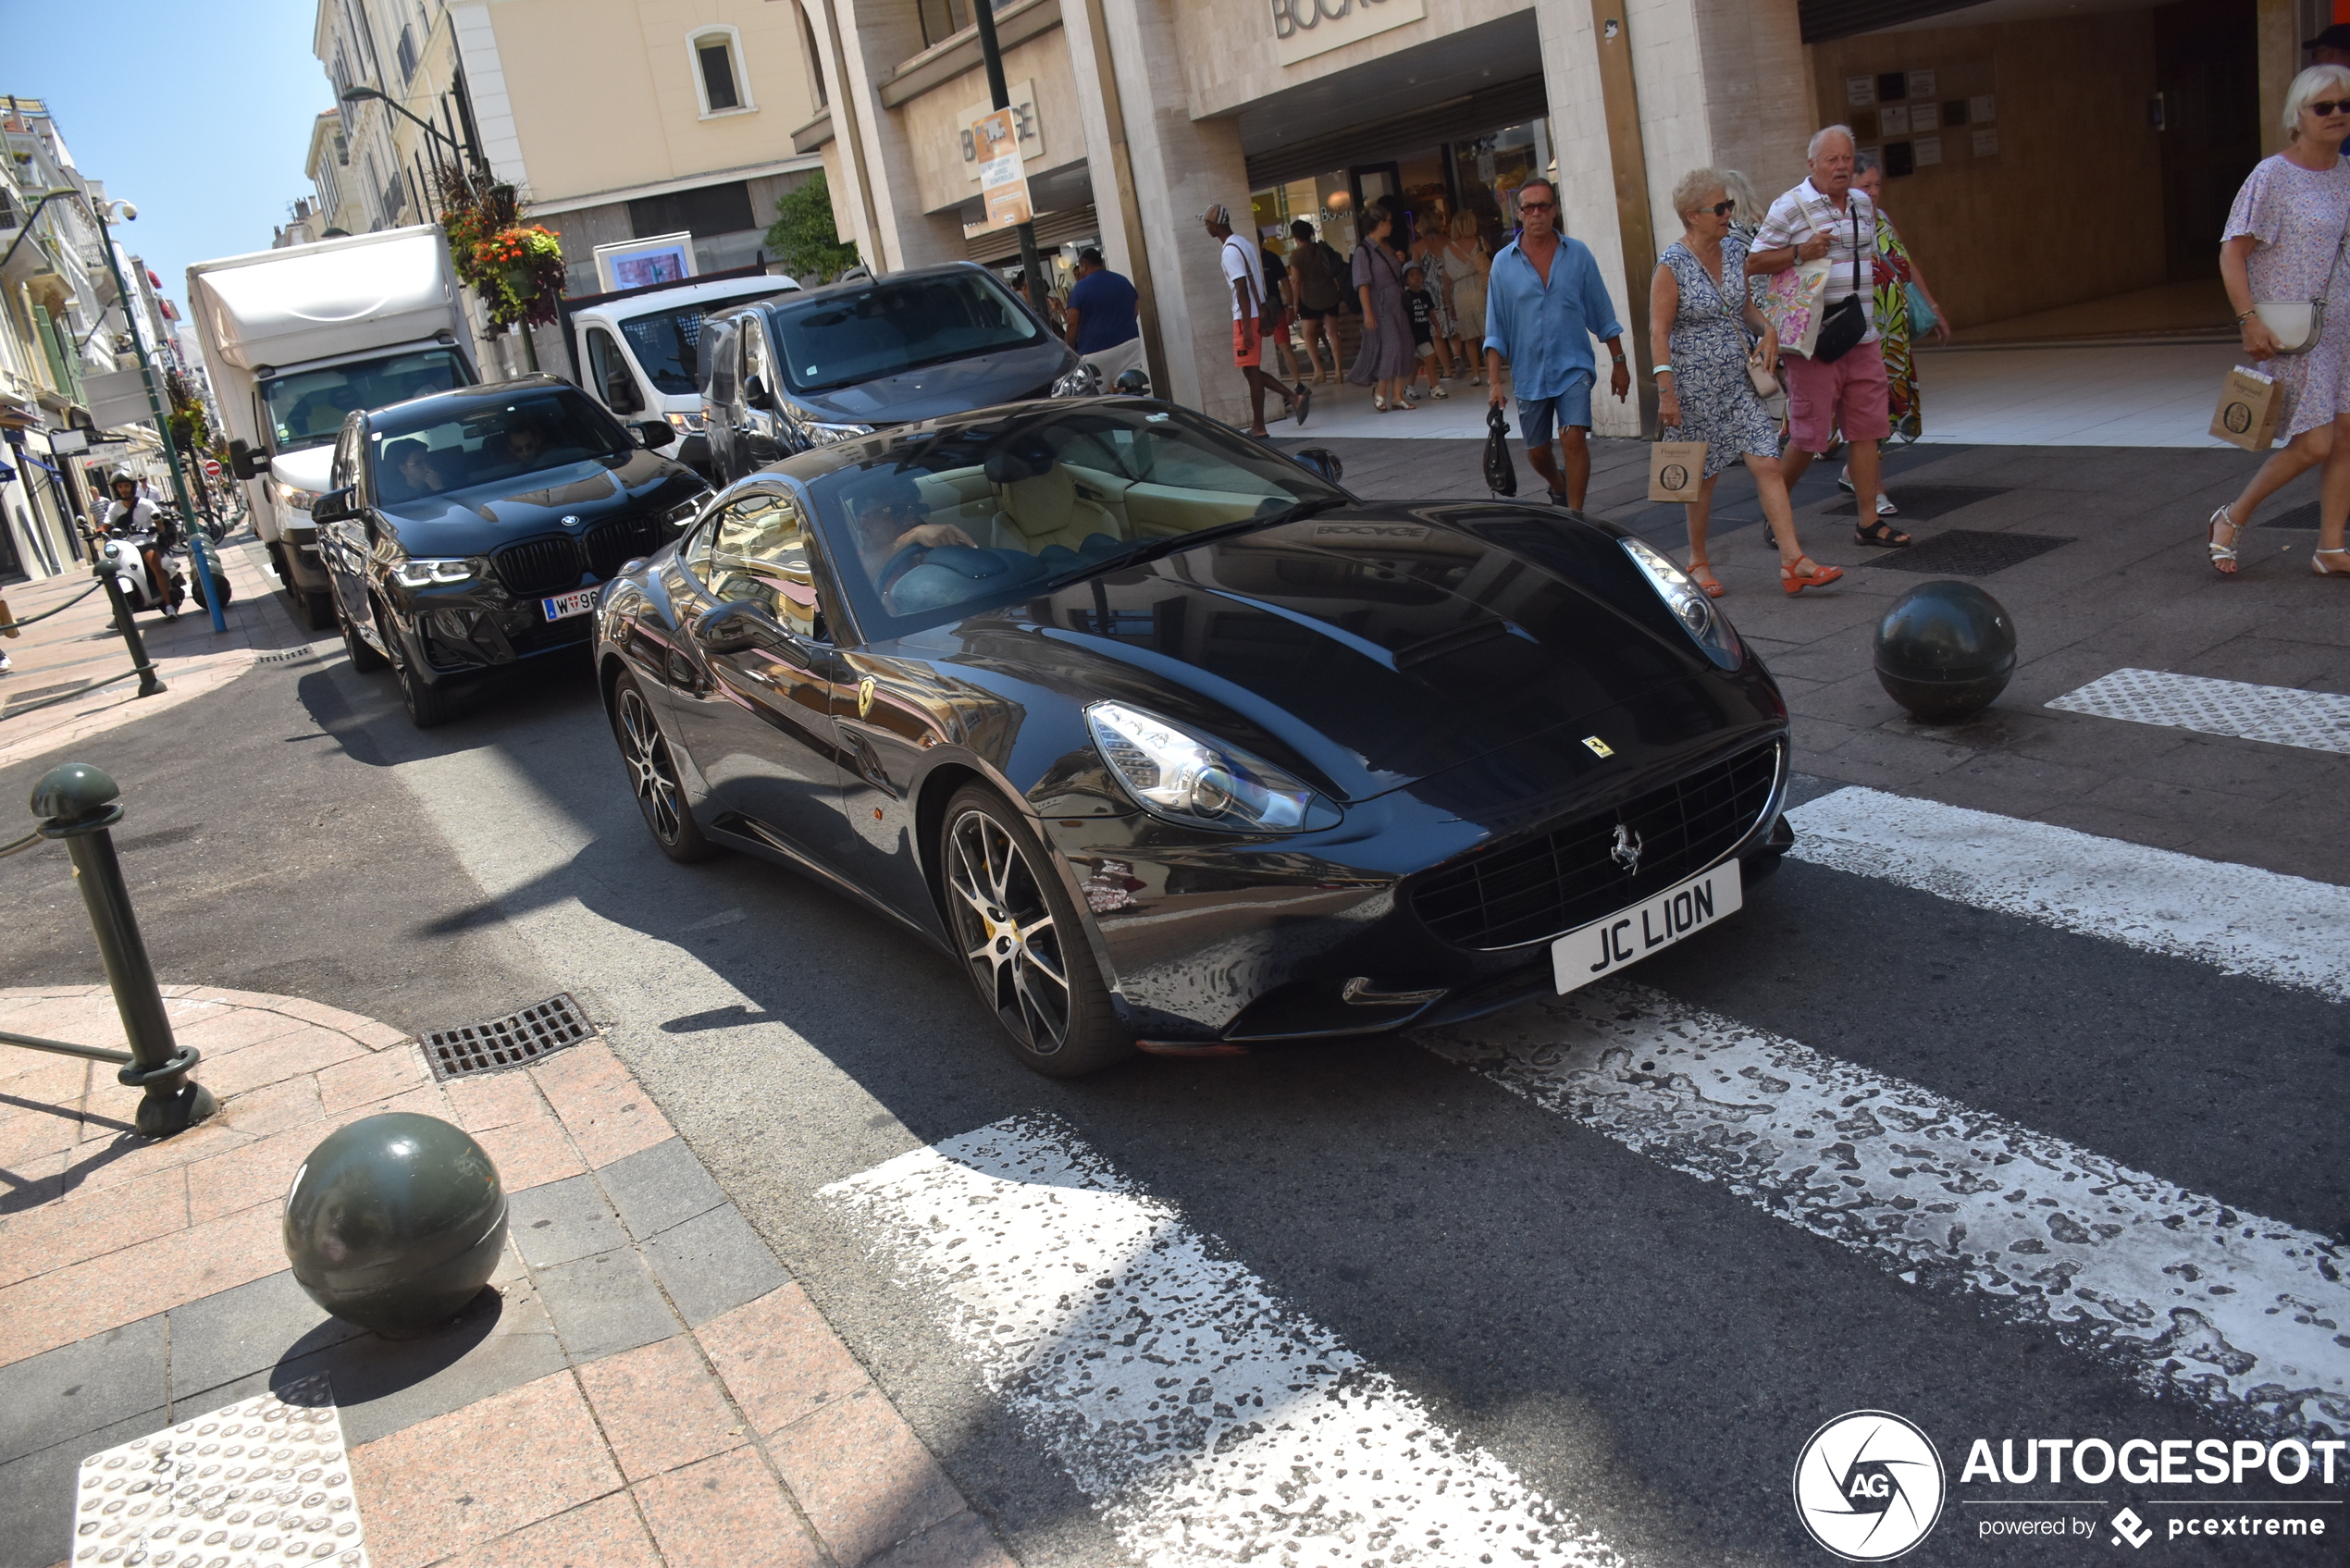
{"x":519,"y":274}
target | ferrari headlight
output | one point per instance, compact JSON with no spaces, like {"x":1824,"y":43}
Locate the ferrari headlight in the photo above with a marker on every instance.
{"x":1178,"y":775}
{"x":825,"y":435}
{"x":1706,"y":625}
{"x":1082,"y":382}
{"x":420,"y":571}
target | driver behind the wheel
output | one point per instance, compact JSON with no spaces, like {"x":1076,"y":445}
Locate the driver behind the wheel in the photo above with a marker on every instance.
{"x":893,"y":528}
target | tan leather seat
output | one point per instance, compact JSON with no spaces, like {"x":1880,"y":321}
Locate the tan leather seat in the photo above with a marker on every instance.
{"x":1047,"y":510}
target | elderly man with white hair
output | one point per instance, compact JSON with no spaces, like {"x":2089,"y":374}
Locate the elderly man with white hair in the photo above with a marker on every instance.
{"x":1829,"y":392}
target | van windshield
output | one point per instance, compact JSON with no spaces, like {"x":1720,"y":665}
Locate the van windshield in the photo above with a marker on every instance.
{"x":306,"y":407}
{"x":667,"y":343}
{"x":845,"y":335}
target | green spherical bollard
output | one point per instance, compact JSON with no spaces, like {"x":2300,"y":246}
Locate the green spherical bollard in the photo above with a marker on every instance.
{"x":395,"y":1222}
{"x":1945,"y":651}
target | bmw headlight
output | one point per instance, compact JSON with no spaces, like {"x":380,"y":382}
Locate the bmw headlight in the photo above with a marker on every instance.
{"x":420,"y":571}
{"x":1706,"y":625}
{"x":1082,"y":382}
{"x":825,"y":435}
{"x":1178,"y":775}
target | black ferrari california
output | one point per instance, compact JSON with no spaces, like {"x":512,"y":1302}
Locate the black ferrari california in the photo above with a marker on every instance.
{"x":1173,"y":743}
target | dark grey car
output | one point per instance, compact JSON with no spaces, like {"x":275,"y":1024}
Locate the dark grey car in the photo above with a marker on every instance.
{"x":832,"y":365}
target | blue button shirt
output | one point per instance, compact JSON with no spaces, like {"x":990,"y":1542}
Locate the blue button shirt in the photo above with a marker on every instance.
{"x":1546,"y":333}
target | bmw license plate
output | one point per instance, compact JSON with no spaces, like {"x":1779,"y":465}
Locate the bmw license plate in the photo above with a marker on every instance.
{"x":1594,"y":951}
{"x":564,"y":606}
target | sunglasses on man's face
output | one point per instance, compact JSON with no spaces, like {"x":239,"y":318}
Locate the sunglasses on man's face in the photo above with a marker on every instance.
{"x":1538,"y":206}
{"x":2330,"y":106}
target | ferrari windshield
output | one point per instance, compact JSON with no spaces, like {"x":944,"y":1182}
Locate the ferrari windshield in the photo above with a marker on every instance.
{"x":844,"y":335}
{"x":947,"y":522}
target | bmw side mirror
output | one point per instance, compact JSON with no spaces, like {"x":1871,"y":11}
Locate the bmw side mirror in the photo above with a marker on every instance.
{"x":245,"y":463}
{"x":654,"y":434}
{"x":1322,"y":461}
{"x":1135,"y":384}
{"x":334,"y":506}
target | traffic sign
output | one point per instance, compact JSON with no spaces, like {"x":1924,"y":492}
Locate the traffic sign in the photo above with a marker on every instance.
{"x":211,"y":468}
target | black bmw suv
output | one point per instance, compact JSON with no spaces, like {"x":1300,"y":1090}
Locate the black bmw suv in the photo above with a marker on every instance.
{"x":469,"y":530}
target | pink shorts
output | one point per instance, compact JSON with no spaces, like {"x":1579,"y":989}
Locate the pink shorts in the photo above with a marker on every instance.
{"x":1849,"y":394}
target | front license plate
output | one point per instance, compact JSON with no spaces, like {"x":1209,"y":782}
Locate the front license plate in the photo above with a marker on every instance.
{"x":564,"y":606}
{"x":1592,"y":952}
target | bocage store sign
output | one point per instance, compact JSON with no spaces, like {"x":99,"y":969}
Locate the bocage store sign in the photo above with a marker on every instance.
{"x":1869,"y":1486}
{"x":1303,"y":29}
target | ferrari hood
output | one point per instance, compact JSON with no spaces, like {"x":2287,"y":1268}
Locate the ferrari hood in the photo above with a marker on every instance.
{"x":1379,"y":647}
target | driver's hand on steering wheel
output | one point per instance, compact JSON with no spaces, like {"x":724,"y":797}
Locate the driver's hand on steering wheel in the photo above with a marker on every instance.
{"x":930,"y":536}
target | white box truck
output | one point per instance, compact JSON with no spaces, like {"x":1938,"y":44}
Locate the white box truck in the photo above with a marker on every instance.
{"x":298,"y":337}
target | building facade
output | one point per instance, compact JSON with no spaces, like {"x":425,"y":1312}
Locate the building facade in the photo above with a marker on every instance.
{"x":2122,"y":128}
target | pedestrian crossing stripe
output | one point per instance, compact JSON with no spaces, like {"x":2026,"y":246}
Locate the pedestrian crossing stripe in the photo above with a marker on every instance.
{"x":1208,"y":1421}
{"x":2317,"y":720}
{"x":2286,"y":930}
{"x":2193,"y":1298}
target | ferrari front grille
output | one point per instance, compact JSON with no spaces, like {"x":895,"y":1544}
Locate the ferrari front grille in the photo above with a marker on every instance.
{"x":1535,"y":887}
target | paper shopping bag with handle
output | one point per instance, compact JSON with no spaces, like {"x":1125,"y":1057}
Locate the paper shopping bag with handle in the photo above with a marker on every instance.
{"x":7,"y":621}
{"x":2249,"y":406}
{"x":1501,"y":474}
{"x":1675,"y":469}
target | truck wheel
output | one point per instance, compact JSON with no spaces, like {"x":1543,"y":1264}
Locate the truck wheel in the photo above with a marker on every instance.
{"x":429,"y":706}
{"x":318,"y":608}
{"x":278,"y":564}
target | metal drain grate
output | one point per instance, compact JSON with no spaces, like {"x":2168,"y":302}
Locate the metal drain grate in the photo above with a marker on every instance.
{"x":321,"y":649}
{"x":516,"y":1040}
{"x":1923,"y":503}
{"x":1964,"y":552}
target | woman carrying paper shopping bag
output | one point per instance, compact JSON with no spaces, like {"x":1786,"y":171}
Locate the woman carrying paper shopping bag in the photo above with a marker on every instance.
{"x":1705,"y":389}
{"x":2281,"y":254}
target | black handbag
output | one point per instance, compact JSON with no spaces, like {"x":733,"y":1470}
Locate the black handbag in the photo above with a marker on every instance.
{"x":1845,"y":325}
{"x":1501,"y":474}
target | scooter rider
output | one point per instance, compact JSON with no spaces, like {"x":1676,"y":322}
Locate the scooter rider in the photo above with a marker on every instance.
{"x":134,"y":513}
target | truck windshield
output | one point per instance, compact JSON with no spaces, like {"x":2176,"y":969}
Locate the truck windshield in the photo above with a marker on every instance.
{"x":845,"y":335}
{"x":306,"y":406}
{"x":451,"y":444}
{"x":667,"y":342}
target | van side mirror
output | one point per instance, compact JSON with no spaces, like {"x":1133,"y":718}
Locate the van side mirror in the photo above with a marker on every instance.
{"x":245,"y":463}
{"x":621,"y":395}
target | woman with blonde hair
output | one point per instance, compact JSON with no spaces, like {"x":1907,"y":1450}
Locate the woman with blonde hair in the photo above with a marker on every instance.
{"x":1466,"y":263}
{"x":1699,"y":311}
{"x":2283,"y":244}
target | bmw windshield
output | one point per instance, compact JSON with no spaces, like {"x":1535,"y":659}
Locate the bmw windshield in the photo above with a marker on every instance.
{"x":936,"y":526}
{"x":445,"y":446}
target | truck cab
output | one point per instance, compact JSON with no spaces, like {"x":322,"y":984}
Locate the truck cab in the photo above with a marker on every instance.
{"x":638,"y":352}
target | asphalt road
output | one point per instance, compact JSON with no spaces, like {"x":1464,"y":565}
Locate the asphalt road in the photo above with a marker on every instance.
{"x":1645,"y":1350}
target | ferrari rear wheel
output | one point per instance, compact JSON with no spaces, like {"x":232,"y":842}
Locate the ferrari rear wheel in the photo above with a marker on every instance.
{"x":1021,"y":943}
{"x":652,"y":774}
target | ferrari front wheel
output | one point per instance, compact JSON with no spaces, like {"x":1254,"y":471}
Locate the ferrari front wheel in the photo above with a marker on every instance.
{"x":1021,"y":943}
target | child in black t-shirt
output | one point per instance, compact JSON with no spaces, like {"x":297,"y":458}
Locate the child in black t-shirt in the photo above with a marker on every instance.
{"x":1420,"y":306}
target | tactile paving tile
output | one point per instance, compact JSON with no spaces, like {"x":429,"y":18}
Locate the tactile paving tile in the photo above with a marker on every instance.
{"x":264,"y":1483}
{"x":1964,"y":552}
{"x":2316,"y":721}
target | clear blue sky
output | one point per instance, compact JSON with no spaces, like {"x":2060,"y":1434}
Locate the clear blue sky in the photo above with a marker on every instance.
{"x":198,"y":114}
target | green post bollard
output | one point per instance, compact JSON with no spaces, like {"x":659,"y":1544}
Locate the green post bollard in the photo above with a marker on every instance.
{"x":149,"y":682}
{"x":79,"y":804}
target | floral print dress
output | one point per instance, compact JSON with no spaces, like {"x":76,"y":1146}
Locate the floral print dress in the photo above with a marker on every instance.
{"x":2297,"y":215}
{"x":1718,"y":404}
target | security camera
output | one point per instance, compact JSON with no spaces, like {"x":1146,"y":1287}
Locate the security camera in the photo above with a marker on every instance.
{"x":129,"y":212}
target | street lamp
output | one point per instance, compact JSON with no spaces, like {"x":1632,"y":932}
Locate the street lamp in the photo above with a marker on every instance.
{"x":26,"y":232}
{"x":197,"y":543}
{"x":377,"y":96}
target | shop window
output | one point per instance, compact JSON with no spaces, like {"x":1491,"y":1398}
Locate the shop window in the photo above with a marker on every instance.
{"x":942,"y":19}
{"x":718,"y":73}
{"x":704,"y":211}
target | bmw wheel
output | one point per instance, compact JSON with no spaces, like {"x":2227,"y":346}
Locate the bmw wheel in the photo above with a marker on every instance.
{"x":1021,"y":943}
{"x":363,"y":654}
{"x":653,"y":775}
{"x":428,"y":705}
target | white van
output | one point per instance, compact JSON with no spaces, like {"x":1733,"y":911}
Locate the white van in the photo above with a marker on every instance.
{"x":636,"y":351}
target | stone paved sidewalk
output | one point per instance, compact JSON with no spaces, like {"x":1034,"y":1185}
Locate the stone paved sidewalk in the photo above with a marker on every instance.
{"x":643,"y":1383}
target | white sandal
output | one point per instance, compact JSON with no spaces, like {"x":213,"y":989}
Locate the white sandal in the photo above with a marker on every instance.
{"x":2318,"y":565}
{"x":2224,"y":556}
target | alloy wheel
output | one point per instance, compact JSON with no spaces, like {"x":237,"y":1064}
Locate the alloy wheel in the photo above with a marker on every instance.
{"x":652,"y":771}
{"x":1007,"y":933}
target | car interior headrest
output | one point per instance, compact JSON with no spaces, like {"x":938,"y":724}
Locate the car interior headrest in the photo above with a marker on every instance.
{"x":1018,"y":460}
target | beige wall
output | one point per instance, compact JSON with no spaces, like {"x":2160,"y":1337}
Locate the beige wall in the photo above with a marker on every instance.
{"x":604,"y":98}
{"x":2071,"y":208}
{"x":1226,"y":47}
{"x":934,"y":121}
